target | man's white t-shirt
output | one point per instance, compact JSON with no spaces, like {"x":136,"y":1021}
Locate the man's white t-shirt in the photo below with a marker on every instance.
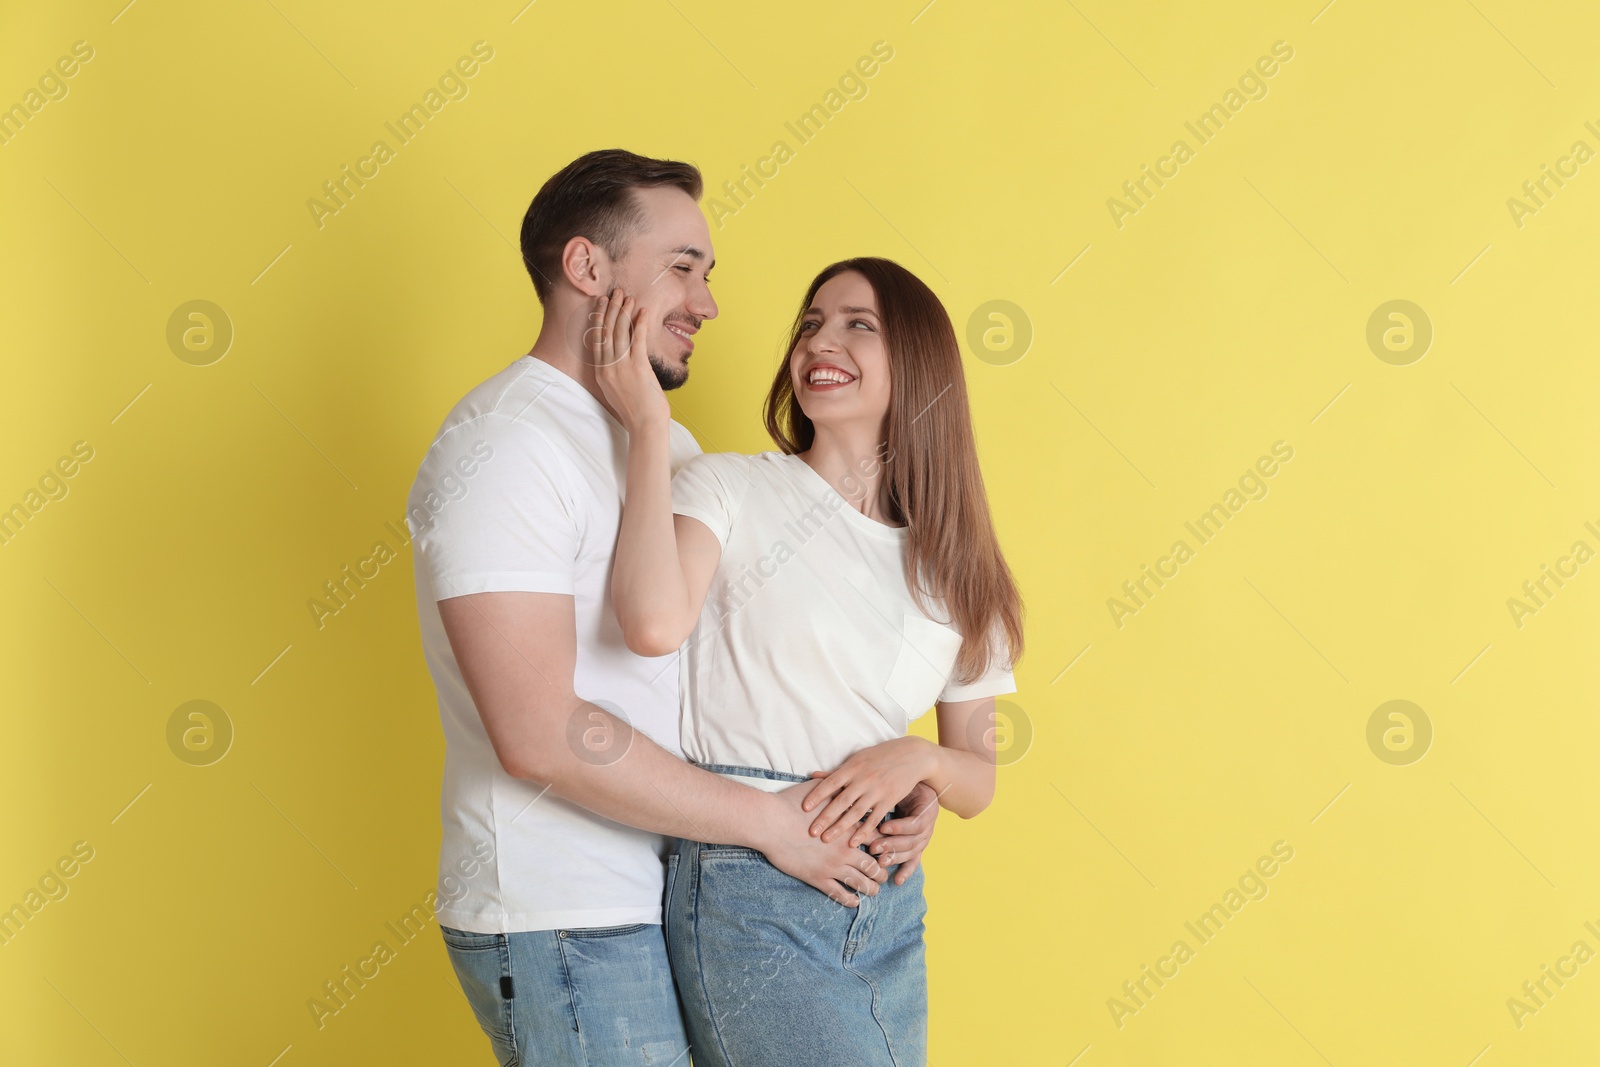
{"x":522,"y":490}
{"x":809,"y":646}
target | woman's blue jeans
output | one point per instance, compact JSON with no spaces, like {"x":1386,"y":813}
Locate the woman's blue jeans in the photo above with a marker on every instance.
{"x":771,"y":971}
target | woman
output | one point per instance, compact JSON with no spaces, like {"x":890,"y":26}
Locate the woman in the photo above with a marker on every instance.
{"x":829,"y":593}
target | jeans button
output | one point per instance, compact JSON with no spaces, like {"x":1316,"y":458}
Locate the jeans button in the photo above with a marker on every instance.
{"x":561,"y":933}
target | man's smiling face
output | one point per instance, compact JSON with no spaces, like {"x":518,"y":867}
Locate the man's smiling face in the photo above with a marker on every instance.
{"x":667,"y":267}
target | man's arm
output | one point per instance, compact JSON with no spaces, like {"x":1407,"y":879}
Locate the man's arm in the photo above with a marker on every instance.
{"x":517,"y":651}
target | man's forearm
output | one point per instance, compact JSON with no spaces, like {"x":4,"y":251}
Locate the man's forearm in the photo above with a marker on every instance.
{"x":648,"y":787}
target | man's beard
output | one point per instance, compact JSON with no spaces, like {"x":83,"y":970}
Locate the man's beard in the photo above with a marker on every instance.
{"x":669,"y":377}
{"x":672,"y":377}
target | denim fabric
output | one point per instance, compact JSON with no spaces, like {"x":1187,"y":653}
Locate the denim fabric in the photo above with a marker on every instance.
{"x":773,"y":972}
{"x":597,"y":997}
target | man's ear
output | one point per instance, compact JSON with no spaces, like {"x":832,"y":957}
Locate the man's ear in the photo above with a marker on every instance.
{"x":585,"y":266}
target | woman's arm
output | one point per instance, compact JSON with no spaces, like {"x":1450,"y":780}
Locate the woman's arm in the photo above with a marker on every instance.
{"x":960,"y":769}
{"x":664,"y":562}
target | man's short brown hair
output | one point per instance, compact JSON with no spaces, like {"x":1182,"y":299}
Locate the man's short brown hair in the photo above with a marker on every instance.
{"x":593,"y":197}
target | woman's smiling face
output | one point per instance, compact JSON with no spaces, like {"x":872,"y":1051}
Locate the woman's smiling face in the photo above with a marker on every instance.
{"x":840,"y":363}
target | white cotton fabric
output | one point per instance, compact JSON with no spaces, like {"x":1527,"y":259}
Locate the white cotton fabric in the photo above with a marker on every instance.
{"x":809,"y":646}
{"x":522,"y":490}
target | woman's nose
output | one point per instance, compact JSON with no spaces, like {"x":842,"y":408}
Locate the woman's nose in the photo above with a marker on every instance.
{"x":822,"y":341}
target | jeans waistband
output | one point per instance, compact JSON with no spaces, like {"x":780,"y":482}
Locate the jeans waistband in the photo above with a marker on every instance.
{"x":752,"y":772}
{"x":771,"y":780}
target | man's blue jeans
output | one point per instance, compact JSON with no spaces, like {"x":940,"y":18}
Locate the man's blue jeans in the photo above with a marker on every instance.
{"x":598,"y":997}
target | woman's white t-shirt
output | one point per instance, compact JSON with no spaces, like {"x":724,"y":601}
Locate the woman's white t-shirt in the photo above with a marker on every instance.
{"x":809,"y":646}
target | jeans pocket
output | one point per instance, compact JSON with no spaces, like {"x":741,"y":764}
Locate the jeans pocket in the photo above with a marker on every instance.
{"x":605,"y":931}
{"x":666,"y":897}
{"x":482,"y":963}
{"x":468,"y":941}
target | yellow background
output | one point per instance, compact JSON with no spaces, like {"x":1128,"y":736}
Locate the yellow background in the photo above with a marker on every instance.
{"x":1229,"y":313}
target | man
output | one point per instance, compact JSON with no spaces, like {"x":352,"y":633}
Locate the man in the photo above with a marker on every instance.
{"x":562,"y":767}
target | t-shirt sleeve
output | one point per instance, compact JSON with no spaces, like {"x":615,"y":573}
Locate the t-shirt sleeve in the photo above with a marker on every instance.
{"x":996,"y":681}
{"x":492,"y":510}
{"x":682,"y":445}
{"x":711,"y":487}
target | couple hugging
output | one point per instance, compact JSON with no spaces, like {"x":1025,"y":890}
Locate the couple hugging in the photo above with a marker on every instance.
{"x":647,"y":657}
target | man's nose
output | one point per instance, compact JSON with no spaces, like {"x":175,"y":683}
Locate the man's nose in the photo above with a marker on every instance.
{"x":701,"y":304}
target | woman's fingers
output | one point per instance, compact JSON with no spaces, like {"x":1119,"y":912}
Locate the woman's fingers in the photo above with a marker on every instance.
{"x":848,"y":818}
{"x":608,"y":329}
{"x":866,"y":831}
{"x":619,"y":332}
{"x":594,"y":335}
{"x":920,"y":823}
{"x":873,"y":826}
{"x":639,"y":333}
{"x":901,"y":843}
{"x":638,"y":346}
{"x":828,"y":818}
{"x":820,"y":792}
{"x":624,"y":329}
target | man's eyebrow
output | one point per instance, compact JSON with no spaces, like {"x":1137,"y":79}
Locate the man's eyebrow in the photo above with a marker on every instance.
{"x":691,"y":251}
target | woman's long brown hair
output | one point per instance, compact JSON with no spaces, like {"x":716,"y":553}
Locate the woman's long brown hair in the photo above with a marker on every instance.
{"x":934,"y":485}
